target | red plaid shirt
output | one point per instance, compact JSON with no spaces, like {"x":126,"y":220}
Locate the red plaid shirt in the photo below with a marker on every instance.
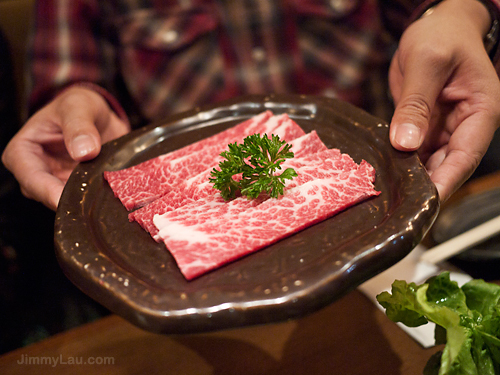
{"x":159,"y":57}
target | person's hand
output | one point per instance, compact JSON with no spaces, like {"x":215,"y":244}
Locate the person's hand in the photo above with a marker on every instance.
{"x":446,"y":91}
{"x":68,"y":130}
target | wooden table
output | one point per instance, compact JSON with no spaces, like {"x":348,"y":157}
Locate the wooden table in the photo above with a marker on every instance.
{"x":351,"y":336}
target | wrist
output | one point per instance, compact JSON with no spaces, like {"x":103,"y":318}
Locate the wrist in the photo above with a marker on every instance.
{"x":475,"y":10}
{"x":483,"y":15}
{"x":492,"y":37}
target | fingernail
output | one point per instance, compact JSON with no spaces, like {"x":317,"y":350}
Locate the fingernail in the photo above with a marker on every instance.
{"x":408,"y":136}
{"x":82,"y":145}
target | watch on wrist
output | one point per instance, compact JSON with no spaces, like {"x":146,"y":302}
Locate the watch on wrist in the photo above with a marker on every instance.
{"x":491,"y":40}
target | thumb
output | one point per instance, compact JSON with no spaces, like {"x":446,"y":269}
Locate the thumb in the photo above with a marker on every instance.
{"x":83,"y":146}
{"x":420,"y":88}
{"x":81,"y":110}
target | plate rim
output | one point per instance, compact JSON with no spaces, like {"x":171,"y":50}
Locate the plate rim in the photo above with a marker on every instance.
{"x":206,"y":319}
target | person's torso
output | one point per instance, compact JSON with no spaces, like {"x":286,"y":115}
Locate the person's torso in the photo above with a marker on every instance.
{"x":176,"y":54}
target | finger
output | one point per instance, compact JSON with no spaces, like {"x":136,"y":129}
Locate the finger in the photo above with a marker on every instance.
{"x":81,"y":111}
{"x":423,"y":81}
{"x":34,"y":178}
{"x":449,"y":173}
{"x":47,"y":191}
{"x":450,"y":166}
{"x":394,"y":78}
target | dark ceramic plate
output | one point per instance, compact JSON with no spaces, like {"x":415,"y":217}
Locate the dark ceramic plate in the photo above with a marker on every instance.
{"x":120,"y":266}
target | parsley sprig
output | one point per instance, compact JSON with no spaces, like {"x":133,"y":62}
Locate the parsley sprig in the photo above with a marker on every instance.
{"x":256,"y":159}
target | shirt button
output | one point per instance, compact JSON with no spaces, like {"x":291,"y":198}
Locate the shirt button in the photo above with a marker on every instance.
{"x":342,"y":6}
{"x":170,"y":36}
{"x":258,"y":54}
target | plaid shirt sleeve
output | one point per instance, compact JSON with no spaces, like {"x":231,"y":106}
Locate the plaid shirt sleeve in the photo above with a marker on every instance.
{"x":160,"y":57}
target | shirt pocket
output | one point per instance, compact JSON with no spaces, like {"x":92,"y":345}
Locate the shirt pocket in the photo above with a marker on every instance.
{"x":330,"y":9}
{"x":166,"y":30}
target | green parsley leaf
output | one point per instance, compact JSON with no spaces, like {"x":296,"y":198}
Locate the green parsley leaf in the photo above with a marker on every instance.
{"x":255,"y":160}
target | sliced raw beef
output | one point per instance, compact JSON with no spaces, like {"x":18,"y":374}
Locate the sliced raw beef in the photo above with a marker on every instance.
{"x":141,"y":184}
{"x":199,"y":186}
{"x":204,"y":232}
{"x":203,"y":235}
{"x":328,"y":164}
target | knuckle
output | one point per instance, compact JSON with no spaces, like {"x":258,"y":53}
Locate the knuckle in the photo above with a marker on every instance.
{"x":416,"y":104}
{"x":435,"y":50}
{"x":474,"y":160}
{"x":5,"y":161}
{"x":78,"y":97}
{"x":73,"y":95}
{"x":7,"y":156}
{"x":467,"y":160}
{"x":436,"y":56}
